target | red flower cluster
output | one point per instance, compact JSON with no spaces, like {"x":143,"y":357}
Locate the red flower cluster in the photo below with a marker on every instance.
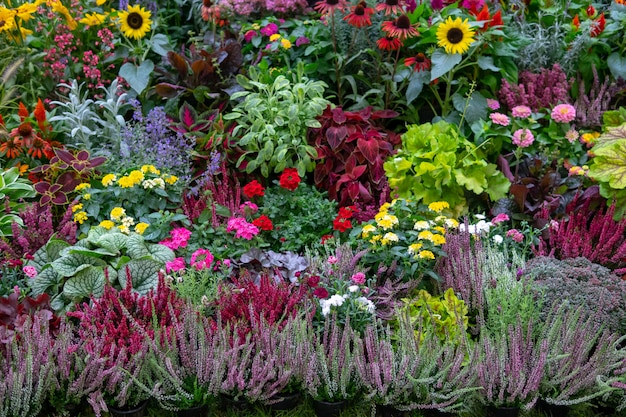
{"x":253,"y":189}
{"x":342,"y":221}
{"x":263,"y":223}
{"x":290,"y":179}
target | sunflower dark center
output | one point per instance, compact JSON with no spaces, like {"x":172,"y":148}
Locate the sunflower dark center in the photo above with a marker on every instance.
{"x":391,"y":2}
{"x":403,"y":22}
{"x":135,"y":20}
{"x":2,"y":23}
{"x":359,"y":10}
{"x":455,"y":35}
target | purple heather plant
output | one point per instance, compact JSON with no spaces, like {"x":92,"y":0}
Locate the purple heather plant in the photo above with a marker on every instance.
{"x":543,"y":90}
{"x":591,"y":106}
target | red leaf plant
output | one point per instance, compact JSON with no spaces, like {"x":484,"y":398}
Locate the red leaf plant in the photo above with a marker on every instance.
{"x":353,"y":147}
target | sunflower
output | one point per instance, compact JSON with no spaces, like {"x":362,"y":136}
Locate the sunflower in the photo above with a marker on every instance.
{"x":7,"y":19}
{"x":135,"y":22}
{"x":455,"y":36}
{"x":400,"y":28}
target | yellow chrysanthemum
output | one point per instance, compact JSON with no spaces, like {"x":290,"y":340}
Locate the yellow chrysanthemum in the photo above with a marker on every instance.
{"x":421,"y":225}
{"x":107,"y":224}
{"x":367,"y":229}
{"x":425,"y":235}
{"x":81,"y":186}
{"x":7,"y":19}
{"x":274,"y":37}
{"x":389,"y":237}
{"x":126,"y":182}
{"x":438,"y":206}
{"x":285,"y":43}
{"x":455,"y":36}
{"x":93,"y":19}
{"x":426,"y":254}
{"x":141,"y":227}
{"x":383,"y":209}
{"x":108,"y":179}
{"x":87,"y":196}
{"x":136,"y":176}
{"x":440,"y":229}
{"x":77,"y":207}
{"x":80,"y":217}
{"x":438,"y":239}
{"x":413,"y":248}
{"x":150,"y":169}
{"x":135,"y":22}
{"x":375,"y":239}
{"x":387,"y":221}
{"x":132,"y":179}
{"x":171,"y":179}
{"x":117,"y":213}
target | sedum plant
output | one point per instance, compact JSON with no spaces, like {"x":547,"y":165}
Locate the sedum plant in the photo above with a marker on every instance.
{"x":272,"y":121}
{"x":437,"y":163}
{"x":72,"y":273}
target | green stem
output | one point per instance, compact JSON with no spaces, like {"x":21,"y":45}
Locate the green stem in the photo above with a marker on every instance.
{"x":337,"y":72}
{"x":393,"y":74}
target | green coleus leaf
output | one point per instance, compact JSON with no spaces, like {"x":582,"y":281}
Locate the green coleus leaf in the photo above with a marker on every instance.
{"x":87,"y":282}
{"x":72,"y":263}
{"x":609,"y":164}
{"x":142,"y":273}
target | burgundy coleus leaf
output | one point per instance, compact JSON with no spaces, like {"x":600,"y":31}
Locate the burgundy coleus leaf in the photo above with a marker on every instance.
{"x":168,"y":90}
{"x":339,"y":116}
{"x":8,"y":309}
{"x":335,"y":135}
{"x":187,"y":115}
{"x":384,"y":114}
{"x":368,"y":146}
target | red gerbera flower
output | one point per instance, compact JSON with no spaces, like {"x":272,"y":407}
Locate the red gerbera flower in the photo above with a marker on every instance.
{"x":391,"y":7}
{"x":330,"y":6}
{"x":360,"y":15}
{"x":400,"y":28}
{"x":389,"y":43}
{"x":421,"y":62}
{"x":289,"y":179}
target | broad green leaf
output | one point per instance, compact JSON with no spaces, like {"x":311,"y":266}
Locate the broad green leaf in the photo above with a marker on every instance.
{"x":114,"y":242}
{"x":609,"y":164}
{"x":69,"y":265}
{"x":472,"y":178}
{"x":161,"y":44}
{"x":143,"y":273}
{"x":136,"y":247}
{"x":476,"y":106}
{"x":442,"y":63}
{"x":96,"y":253}
{"x":89,"y":281}
{"x":137,"y":77}
{"x":95,"y":233}
{"x":161,"y":253}
{"x":486,"y":63}
{"x":53,"y":249}
{"x":416,"y":84}
{"x":617,"y":65}
{"x":44,"y":280}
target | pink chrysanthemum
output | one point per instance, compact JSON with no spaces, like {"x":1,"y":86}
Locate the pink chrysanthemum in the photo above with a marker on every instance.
{"x":493,"y":104}
{"x":563,"y":113}
{"x":523,"y":138}
{"x":521,"y":112}
{"x":500,"y":119}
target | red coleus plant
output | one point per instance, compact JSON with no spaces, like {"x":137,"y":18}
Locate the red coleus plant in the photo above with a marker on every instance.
{"x":353,"y":147}
{"x":13,"y":314}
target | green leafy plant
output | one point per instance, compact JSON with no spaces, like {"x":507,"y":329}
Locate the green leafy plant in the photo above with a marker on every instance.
{"x":437,"y":163}
{"x":71,"y":274}
{"x":13,"y":188}
{"x":608,"y":167}
{"x":272,"y":121}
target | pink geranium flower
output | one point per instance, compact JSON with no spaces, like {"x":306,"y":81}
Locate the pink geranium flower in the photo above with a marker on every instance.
{"x":176,"y":264}
{"x":201,"y":259}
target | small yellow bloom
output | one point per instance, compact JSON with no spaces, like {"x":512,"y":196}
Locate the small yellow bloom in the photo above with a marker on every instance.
{"x":171,"y":179}
{"x":77,"y":207}
{"x":93,"y":19}
{"x":387,"y":221}
{"x":439,"y":239}
{"x":367,"y":229}
{"x":274,"y":37}
{"x":426,"y":254}
{"x":255,"y":26}
{"x":375,"y":239}
{"x":421,"y":225}
{"x":87,"y":196}
{"x":150,"y":169}
{"x":107,"y":224}
{"x":126,"y":182}
{"x":81,"y":186}
{"x":413,"y":248}
{"x":389,"y":237}
{"x":452,"y":224}
{"x":425,"y":235}
{"x":109,"y":179}
{"x":80,"y":217}
{"x":100,"y":2}
{"x":440,"y":229}
{"x":438,"y":206}
{"x":141,"y":227}
{"x":384,"y":208}
{"x":285,"y":43}
{"x":117,"y":213}
{"x":123,"y":228}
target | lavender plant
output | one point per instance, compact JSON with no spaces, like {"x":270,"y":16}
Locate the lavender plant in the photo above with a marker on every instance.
{"x":27,"y":369}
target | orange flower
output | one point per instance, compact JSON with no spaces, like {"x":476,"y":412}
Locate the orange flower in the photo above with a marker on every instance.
{"x":39,"y":148}
{"x":598,"y":26}
{"x":420,"y":61}
{"x":391,"y":7}
{"x":40,"y":115}
{"x":576,"y":21}
{"x":12,"y":148}
{"x":326,"y":7}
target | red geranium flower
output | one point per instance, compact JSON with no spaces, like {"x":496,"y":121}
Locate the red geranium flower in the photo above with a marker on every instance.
{"x":347,"y":212}
{"x":289,"y":179}
{"x":320,"y":292}
{"x":341,"y":224}
{"x":253,"y":189}
{"x":263,"y":223}
{"x":360,"y":15}
{"x":420,"y":61}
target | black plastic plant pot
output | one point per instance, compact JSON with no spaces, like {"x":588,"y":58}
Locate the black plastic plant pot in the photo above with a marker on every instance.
{"x":197,"y":411}
{"x":552,"y":410}
{"x":229,"y":402}
{"x":388,"y":411}
{"x":138,"y":411}
{"x":503,"y":412}
{"x":328,"y":409}
{"x":283,"y":402}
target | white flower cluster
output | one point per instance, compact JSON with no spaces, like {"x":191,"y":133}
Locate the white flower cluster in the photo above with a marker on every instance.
{"x":480,"y":228}
{"x":338,"y":300}
{"x":156,"y":182}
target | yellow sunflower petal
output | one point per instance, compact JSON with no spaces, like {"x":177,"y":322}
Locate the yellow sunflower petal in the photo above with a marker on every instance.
{"x":135,"y":22}
{"x":455,"y":36}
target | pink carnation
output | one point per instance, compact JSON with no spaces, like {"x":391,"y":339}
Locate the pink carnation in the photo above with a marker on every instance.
{"x":502,"y":217}
{"x":242,"y":228}
{"x":201,"y":259}
{"x":523,"y":138}
{"x":563,"y":113}
{"x":500,"y":119}
{"x":516,"y":235}
{"x":174,"y":265}
{"x":521,"y":112}
{"x":358,"y":278}
{"x":30,"y":271}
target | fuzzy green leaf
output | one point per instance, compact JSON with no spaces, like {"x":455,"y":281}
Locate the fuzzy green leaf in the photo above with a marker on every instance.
{"x":143,"y":273}
{"x":136,"y":247}
{"x":69,"y":265}
{"x":44,"y":280}
{"x":161,"y":253}
{"x":89,"y":281}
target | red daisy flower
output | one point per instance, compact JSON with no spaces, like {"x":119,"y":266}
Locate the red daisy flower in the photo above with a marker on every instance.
{"x":421,"y":62}
{"x":400,"y":28}
{"x":11,"y":148}
{"x":391,"y":7}
{"x":360,"y":15}
{"x":38,"y":148}
{"x":389,"y":43}
{"x":330,"y":6}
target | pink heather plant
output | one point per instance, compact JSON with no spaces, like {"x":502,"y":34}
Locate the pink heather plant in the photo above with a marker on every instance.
{"x":500,"y":119}
{"x":523,"y":138}
{"x":563,"y":113}
{"x":201,"y":259}
{"x":521,"y":112}
{"x":242,"y":228}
